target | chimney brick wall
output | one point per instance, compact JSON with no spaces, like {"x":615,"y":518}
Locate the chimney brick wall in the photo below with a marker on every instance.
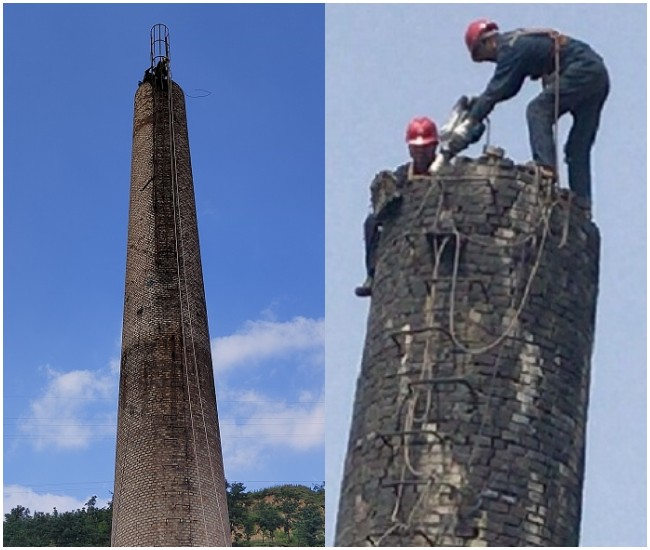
{"x":469,"y":420}
{"x":169,"y":478}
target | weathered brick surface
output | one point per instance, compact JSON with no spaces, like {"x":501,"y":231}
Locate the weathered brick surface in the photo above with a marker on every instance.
{"x":469,"y":421}
{"x":169,"y":479}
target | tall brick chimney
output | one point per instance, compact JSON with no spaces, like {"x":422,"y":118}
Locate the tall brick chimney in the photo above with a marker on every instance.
{"x":169,"y":477}
{"x":469,"y":420}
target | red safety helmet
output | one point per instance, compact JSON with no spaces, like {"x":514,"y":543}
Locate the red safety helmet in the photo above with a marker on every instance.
{"x":421,"y":131}
{"x":477,"y":31}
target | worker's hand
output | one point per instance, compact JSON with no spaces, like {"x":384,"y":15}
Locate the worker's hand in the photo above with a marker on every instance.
{"x":466,"y":133}
{"x":456,"y":145}
{"x":438,"y":162}
{"x":459,"y":139}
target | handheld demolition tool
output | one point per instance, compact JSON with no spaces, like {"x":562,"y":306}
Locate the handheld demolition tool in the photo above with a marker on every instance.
{"x":457,"y":133}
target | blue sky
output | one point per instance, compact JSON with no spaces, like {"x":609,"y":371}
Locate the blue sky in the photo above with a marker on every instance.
{"x":256,"y":128}
{"x":388,"y":63}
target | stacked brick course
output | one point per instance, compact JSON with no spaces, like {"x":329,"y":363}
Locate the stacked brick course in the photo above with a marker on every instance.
{"x":169,"y":479}
{"x":469,"y":420}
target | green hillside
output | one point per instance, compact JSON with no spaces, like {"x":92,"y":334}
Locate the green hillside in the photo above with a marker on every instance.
{"x":286,"y":515}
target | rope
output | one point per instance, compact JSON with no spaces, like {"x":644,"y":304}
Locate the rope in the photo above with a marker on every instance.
{"x":412,"y":399}
{"x":410,"y":418}
{"x":515,"y":318}
{"x":546,"y":219}
{"x":175,"y":201}
{"x":426,"y":369}
{"x":410,"y":404}
{"x":556,"y":113}
{"x":189,"y":311}
{"x":488,"y":133}
{"x":556,"y":42}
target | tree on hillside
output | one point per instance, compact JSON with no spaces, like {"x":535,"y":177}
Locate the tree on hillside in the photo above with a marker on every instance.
{"x":268,"y":518}
{"x":250,"y":525}
{"x":14,"y":530}
{"x":289,"y":504}
{"x":89,"y":526}
{"x":296,"y":509}
{"x":238,"y":500}
{"x":310,"y":527}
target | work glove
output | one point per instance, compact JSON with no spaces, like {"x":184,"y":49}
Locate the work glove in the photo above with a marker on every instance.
{"x":466,"y":133}
{"x":459,"y":139}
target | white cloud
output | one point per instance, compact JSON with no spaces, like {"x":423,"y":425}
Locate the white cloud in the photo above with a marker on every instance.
{"x":267,"y":339}
{"x":114,"y":366}
{"x":306,"y":396}
{"x":254,"y":425}
{"x":14,"y":495}
{"x":70,"y":411}
{"x":258,"y":424}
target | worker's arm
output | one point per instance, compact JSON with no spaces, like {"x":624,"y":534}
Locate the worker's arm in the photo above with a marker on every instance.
{"x":402,"y":175}
{"x":507,"y":80}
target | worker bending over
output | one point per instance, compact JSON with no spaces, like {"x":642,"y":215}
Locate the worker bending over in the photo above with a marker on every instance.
{"x":574,"y":80}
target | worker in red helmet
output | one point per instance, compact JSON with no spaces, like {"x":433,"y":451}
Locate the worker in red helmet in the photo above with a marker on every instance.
{"x":422,"y":140}
{"x":574,"y":79}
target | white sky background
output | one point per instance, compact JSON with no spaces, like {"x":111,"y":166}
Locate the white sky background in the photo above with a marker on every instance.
{"x":388,"y":63}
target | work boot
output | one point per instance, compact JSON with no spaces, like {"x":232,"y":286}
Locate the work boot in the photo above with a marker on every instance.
{"x":365,"y":289}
